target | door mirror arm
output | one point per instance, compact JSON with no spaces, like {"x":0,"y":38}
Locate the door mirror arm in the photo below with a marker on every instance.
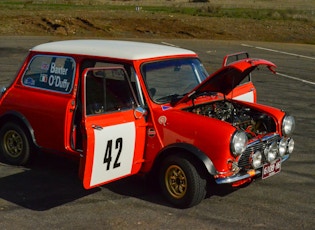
{"x":140,"y":112}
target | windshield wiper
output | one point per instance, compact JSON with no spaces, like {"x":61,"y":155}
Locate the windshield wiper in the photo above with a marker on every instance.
{"x":195,"y":94}
{"x":172,"y":98}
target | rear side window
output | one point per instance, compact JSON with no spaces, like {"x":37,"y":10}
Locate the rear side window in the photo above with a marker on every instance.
{"x":53,"y":73}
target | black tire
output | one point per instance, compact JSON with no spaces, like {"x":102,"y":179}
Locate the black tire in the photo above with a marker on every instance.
{"x":181,"y":183}
{"x":14,"y":144}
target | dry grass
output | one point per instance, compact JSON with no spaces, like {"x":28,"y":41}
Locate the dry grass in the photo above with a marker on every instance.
{"x":264,"y":20}
{"x":307,"y":5}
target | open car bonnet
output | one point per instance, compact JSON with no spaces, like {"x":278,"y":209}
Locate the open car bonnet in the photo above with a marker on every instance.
{"x":227,"y":78}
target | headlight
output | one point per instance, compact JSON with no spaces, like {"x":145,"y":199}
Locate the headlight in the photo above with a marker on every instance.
{"x":238,"y":143}
{"x":288,"y":125}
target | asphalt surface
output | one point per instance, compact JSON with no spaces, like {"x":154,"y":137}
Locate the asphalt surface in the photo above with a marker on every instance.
{"x":48,"y":194}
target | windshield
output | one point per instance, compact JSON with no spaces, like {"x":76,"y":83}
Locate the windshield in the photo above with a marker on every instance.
{"x":169,"y":80}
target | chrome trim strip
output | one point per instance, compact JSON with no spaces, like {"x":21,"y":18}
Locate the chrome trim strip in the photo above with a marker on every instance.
{"x":263,"y":139}
{"x":258,"y":144}
{"x":285,"y":157}
{"x":238,"y":177}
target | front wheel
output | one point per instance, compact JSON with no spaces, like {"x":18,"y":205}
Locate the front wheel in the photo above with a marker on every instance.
{"x":14,"y":144}
{"x":180,"y":182}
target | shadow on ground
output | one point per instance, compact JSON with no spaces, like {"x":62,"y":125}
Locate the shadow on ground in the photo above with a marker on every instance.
{"x":52,"y":181}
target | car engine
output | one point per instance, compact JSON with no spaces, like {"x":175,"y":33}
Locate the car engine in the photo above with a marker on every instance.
{"x":253,"y":122}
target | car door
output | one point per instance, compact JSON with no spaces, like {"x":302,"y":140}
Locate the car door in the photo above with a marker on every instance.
{"x":246,"y":91}
{"x":114,"y":125}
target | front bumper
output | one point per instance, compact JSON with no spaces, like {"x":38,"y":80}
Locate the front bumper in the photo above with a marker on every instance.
{"x":250,"y":174}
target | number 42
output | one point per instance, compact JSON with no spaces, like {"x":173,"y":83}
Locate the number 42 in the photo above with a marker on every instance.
{"x":108,"y":153}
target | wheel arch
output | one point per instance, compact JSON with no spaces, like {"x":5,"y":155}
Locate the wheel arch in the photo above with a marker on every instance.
{"x":190,"y":152}
{"x":18,"y":118}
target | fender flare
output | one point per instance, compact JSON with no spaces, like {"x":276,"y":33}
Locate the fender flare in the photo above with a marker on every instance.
{"x":195,"y":152}
{"x":18,"y":117}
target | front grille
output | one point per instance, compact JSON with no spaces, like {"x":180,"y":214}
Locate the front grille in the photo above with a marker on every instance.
{"x":258,"y":145}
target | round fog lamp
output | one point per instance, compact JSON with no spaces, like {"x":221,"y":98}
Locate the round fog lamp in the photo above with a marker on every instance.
{"x":271,"y":152}
{"x":282,"y":147}
{"x":256,"y":159}
{"x":290,"y":146}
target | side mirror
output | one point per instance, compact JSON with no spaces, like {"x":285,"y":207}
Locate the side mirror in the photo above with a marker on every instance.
{"x":139,"y":112}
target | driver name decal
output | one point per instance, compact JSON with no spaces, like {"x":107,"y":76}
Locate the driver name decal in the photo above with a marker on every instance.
{"x":56,"y":82}
{"x":58,"y":78}
{"x":52,"y":73}
{"x":58,"y":70}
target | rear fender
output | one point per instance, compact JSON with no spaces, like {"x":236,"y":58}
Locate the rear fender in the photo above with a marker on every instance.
{"x":21,"y":120}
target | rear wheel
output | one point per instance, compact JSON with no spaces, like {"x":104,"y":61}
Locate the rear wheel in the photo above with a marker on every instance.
{"x":180,"y":182}
{"x":14,"y":144}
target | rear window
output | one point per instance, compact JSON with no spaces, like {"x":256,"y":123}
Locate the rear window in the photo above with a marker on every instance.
{"x":53,"y":73}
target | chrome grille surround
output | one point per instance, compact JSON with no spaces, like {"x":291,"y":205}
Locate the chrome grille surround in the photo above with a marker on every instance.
{"x":244,"y":161}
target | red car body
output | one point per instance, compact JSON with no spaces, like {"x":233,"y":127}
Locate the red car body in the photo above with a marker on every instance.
{"x":123,"y":108}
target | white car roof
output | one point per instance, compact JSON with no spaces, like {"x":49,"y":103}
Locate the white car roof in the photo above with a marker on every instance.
{"x":112,"y":48}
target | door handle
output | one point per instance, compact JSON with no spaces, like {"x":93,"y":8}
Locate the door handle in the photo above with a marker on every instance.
{"x":97,"y":127}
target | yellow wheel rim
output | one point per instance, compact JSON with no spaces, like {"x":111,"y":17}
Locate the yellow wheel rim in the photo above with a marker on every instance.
{"x":13,"y":143}
{"x":176,"y":181}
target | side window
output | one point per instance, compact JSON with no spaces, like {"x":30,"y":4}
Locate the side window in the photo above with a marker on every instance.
{"x":53,"y":73}
{"x":107,"y":90}
{"x":130,"y":72}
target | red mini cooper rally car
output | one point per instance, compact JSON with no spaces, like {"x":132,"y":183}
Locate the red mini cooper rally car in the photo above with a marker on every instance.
{"x":126,"y":108}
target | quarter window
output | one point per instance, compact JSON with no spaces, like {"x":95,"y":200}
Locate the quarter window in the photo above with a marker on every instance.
{"x":53,"y":73}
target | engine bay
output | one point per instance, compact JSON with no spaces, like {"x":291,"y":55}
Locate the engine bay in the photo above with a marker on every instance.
{"x":245,"y":118}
